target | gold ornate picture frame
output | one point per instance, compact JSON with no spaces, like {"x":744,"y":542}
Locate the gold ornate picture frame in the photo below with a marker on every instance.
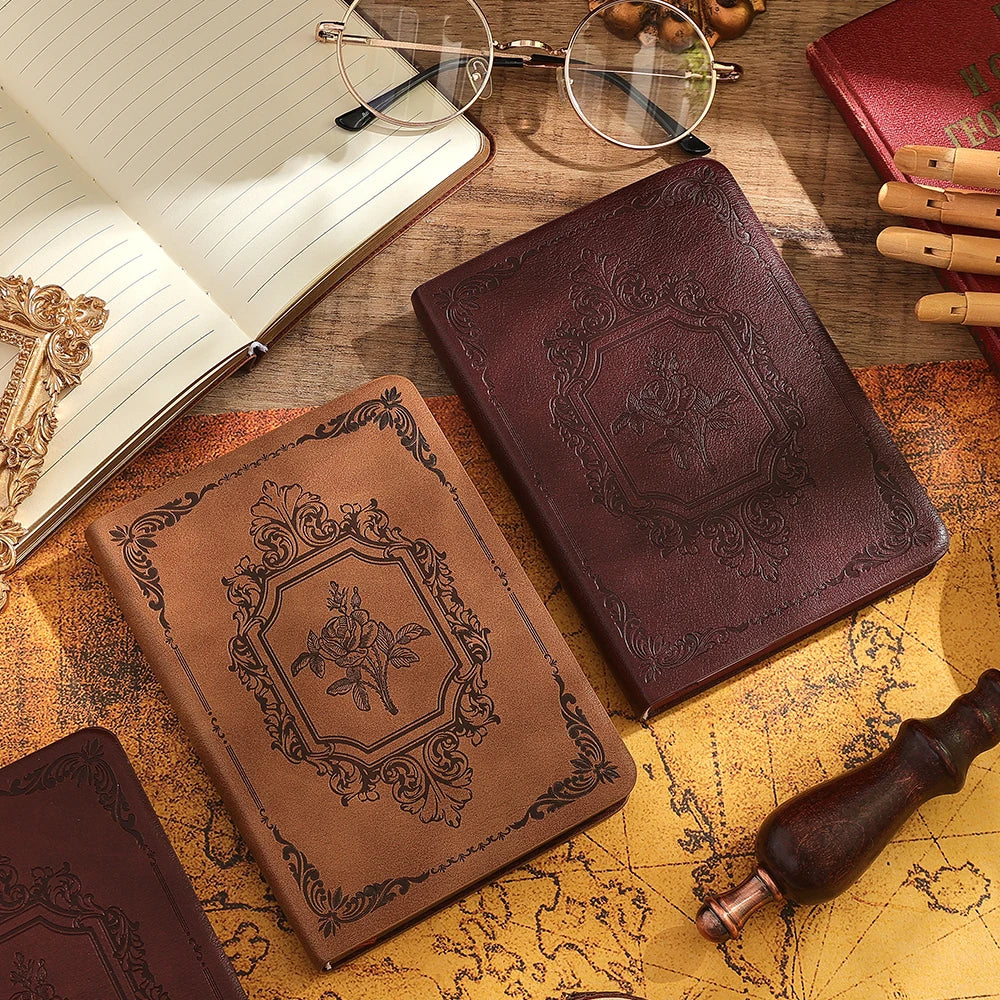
{"x":45,"y":337}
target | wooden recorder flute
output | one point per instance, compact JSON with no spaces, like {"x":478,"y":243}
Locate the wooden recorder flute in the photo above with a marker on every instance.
{"x":956,"y":252}
{"x":967,"y":308}
{"x":813,"y":847}
{"x":949,"y":206}
{"x":976,"y":167}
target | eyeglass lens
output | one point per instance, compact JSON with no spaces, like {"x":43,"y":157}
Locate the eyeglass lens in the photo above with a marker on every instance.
{"x":642,"y":84}
{"x":640,"y":90}
{"x":446,"y":45}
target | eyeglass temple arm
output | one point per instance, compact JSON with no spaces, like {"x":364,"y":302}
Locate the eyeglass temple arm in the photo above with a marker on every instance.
{"x":360,"y":118}
{"x":690,"y":143}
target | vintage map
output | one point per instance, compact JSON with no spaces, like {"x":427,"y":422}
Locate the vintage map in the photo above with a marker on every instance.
{"x":613,"y":909}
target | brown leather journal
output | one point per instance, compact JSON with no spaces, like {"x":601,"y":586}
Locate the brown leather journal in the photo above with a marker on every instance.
{"x":94,"y":904}
{"x":376,"y":689}
{"x":704,"y":469}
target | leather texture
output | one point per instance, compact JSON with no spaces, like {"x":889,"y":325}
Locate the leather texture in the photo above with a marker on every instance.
{"x":895,"y":75}
{"x":703,"y":467}
{"x":93,"y":901}
{"x":378,"y":692}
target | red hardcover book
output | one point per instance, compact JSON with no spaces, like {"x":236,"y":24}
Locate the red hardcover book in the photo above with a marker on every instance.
{"x":924,"y":72}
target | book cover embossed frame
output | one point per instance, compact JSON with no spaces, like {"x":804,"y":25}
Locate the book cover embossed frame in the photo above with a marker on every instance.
{"x":57,"y":898}
{"x":742,"y":521}
{"x":425,"y":768}
{"x":333,"y":907}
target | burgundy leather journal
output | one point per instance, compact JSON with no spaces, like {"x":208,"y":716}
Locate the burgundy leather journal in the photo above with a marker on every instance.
{"x":94,"y":904}
{"x":921,"y":72}
{"x":379,"y":694}
{"x":705,"y":470}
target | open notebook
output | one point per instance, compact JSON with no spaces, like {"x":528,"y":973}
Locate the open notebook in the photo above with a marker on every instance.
{"x":178,"y":159}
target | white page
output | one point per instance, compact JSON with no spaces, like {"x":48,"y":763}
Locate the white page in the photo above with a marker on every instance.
{"x":212,"y":123}
{"x":163,"y":334}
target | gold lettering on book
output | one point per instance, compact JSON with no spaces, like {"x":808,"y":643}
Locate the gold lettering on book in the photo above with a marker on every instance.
{"x":974,"y":130}
{"x":988,"y":123}
{"x":996,"y":10}
{"x":974,"y":80}
{"x":967,"y":125}
{"x":47,"y":335}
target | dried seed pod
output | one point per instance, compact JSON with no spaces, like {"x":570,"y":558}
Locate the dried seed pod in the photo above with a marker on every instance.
{"x":728,"y":18}
{"x":649,"y":22}
{"x":624,"y":20}
{"x":676,"y":35}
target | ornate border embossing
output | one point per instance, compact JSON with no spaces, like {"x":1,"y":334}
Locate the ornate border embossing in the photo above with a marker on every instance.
{"x":460,"y":303}
{"x":700,"y":191}
{"x":749,"y":535}
{"x":658,"y":654}
{"x":138,"y":539}
{"x":384,"y":413}
{"x":86,"y":765}
{"x":700,"y":187}
{"x":61,"y":892}
{"x":431,"y":777}
{"x":335,"y":908}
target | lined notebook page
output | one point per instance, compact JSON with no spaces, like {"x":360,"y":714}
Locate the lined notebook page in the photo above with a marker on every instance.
{"x":212,"y":123}
{"x":57,"y":227}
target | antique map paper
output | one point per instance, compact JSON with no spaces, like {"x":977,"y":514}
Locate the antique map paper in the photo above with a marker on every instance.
{"x":613,"y":909}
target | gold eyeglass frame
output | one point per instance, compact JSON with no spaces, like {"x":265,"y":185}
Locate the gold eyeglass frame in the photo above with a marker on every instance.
{"x":51,"y":333}
{"x":336,"y":31}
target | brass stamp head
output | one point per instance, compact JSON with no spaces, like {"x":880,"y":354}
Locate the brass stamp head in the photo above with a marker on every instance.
{"x":721,"y":918}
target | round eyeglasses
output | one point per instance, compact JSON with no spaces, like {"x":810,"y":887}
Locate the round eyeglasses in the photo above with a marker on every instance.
{"x":641,"y":76}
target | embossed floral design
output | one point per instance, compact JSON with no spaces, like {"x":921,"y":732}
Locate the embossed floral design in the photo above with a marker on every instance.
{"x":362,"y":647}
{"x":430,"y":774}
{"x":748,"y":533}
{"x":85,"y":766}
{"x":60,"y":895}
{"x":684,"y":413}
{"x":33,"y":976}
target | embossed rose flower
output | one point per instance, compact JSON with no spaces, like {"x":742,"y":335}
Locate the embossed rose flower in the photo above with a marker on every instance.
{"x":666,"y":401}
{"x":31,"y":973}
{"x":360,"y":646}
{"x":347,"y":638}
{"x":684,"y":413}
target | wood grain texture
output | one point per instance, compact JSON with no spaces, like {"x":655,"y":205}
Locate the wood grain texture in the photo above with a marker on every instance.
{"x":776,"y":131}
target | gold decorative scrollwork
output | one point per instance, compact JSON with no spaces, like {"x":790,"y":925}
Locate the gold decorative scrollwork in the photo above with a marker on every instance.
{"x":51,"y":333}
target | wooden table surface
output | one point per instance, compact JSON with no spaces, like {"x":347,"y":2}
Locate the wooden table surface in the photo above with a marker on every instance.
{"x":775,"y":130}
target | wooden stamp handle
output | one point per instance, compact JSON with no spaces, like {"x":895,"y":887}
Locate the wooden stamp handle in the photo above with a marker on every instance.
{"x":814,"y":846}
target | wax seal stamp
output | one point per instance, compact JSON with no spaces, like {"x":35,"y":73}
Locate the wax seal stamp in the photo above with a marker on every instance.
{"x":811,"y":848}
